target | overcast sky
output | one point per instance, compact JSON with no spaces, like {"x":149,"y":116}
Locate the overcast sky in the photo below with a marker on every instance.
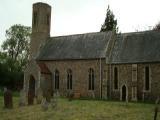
{"x":81,"y":16}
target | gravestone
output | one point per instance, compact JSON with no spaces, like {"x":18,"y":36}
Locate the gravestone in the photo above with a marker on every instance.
{"x":57,"y":95}
{"x":8,"y":102}
{"x":44,"y":104}
{"x":39,"y":95}
{"x":48,"y":95}
{"x":31,"y":97}
{"x":53,"y":102}
{"x":93,"y":94}
{"x":156,"y":108}
{"x":22,"y":99}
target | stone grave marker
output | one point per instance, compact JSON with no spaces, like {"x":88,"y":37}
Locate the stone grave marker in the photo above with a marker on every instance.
{"x":44,"y":104}
{"x":93,"y":94}
{"x":48,"y":95}
{"x":22,"y":99}
{"x":156,"y":108}
{"x":8,"y":102}
{"x":54,"y":100}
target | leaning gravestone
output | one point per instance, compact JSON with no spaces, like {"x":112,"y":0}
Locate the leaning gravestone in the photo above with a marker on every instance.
{"x":30,"y":97}
{"x":39,"y":95}
{"x":156,"y":109}
{"x":44,"y":104}
{"x":8,"y":102}
{"x":53,"y":102}
{"x":22,"y":99}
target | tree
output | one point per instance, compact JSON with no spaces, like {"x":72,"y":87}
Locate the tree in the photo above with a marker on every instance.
{"x":16,"y":44}
{"x":14,"y":56}
{"x":110,"y":23}
{"x":157,"y":26}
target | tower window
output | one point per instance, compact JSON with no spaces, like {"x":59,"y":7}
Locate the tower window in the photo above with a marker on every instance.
{"x":91,"y":79}
{"x":147,"y":78}
{"x":115,"y":78}
{"x":56,"y":78}
{"x":48,"y":19}
{"x":35,"y":18}
{"x":69,"y":79}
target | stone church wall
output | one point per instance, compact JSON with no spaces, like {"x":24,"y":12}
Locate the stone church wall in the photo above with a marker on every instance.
{"x":125,"y":78}
{"x":80,"y":75}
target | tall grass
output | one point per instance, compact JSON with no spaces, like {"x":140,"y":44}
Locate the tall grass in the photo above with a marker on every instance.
{"x":80,"y":110}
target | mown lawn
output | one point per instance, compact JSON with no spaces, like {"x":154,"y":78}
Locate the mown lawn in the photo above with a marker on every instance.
{"x":80,"y":110}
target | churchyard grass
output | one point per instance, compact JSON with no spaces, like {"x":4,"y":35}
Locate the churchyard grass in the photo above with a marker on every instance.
{"x":80,"y":110}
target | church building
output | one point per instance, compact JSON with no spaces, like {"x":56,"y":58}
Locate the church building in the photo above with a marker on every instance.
{"x":105,"y":65}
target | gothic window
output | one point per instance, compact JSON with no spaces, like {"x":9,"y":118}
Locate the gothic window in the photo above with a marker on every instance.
{"x":35,"y":18}
{"x":115,"y":78}
{"x":134,"y":72}
{"x":69,"y":79}
{"x":91,"y":79}
{"x":56,"y":78}
{"x":147,"y":78}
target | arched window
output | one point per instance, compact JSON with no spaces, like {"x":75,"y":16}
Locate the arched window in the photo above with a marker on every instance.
{"x":69,"y":79}
{"x":47,"y":20}
{"x":56,"y":78}
{"x":147,"y":78}
{"x":35,"y":18}
{"x":91,"y":79}
{"x":115,"y":78}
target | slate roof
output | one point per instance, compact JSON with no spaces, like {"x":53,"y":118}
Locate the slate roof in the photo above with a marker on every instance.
{"x":81,"y":46}
{"x":137,"y":47}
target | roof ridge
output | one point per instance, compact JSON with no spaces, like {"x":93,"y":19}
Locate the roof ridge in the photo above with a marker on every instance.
{"x":89,"y":33}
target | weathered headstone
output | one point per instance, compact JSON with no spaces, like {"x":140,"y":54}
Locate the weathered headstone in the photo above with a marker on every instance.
{"x":57,"y":94}
{"x":8,"y":102}
{"x":93,"y":95}
{"x":22,"y":99}
{"x":48,"y":95}
{"x":53,"y":102}
{"x":156,"y":109}
{"x":39,"y":95}
{"x":44,"y":104}
{"x":31,"y":97}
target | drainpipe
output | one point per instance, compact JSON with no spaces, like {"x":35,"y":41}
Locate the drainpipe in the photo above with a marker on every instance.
{"x":110,"y":88}
{"x":100,"y":76}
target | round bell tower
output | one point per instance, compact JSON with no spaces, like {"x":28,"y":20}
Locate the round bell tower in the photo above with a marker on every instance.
{"x":41,"y":20}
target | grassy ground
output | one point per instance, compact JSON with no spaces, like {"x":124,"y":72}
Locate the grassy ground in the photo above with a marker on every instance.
{"x":80,"y":110}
